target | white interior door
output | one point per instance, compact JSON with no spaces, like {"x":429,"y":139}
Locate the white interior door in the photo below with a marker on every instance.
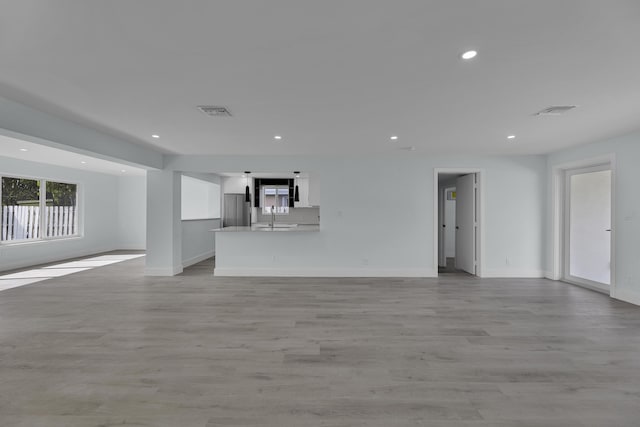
{"x":449,"y":222}
{"x":466,"y":223}
{"x":588,"y":226}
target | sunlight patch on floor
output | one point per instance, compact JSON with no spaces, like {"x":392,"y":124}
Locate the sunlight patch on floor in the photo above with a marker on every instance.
{"x":21,"y":278}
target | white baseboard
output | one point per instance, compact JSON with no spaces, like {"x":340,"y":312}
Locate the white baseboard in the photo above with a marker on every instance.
{"x":627,"y":296}
{"x":196,"y":259}
{"x":322,"y":272}
{"x":54,"y":256}
{"x":514,"y":274}
{"x":131,"y":247}
{"x":163,"y":271}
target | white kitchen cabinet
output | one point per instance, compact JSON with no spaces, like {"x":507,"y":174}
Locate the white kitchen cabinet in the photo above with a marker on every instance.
{"x":303,"y":191}
{"x":313,"y":194}
{"x":309,"y":190}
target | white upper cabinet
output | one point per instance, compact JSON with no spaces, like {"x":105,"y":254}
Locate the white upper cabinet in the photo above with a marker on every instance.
{"x":313,"y":195}
{"x":309,"y":190}
{"x":303,"y":189}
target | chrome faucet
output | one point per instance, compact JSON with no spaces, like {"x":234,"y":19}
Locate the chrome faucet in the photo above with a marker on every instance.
{"x":273,"y":216}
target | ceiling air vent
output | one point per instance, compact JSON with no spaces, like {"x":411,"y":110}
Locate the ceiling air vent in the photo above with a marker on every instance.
{"x":556,"y":110}
{"x":215,"y":111}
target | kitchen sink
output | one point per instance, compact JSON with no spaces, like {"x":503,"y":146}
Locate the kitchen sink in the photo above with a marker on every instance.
{"x":277,"y":225}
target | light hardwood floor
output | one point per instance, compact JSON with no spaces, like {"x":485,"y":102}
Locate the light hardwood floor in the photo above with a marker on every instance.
{"x":110,"y":347}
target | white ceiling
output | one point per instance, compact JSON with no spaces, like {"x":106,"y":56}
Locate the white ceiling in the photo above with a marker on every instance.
{"x":11,"y":147}
{"x":330,"y":76}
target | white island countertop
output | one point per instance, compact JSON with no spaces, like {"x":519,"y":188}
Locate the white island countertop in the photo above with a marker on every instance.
{"x":261,"y":228}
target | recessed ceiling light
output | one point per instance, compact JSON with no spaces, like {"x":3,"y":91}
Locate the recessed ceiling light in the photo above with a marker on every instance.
{"x":470,"y":54}
{"x":23,"y":149}
{"x":155,"y":136}
{"x":123,"y":171}
{"x":298,"y":176}
{"x":278,"y":137}
{"x":83,"y":162}
{"x":511,"y":137}
{"x":394,"y":138}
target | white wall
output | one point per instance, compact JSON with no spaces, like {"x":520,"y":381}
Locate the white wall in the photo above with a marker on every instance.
{"x":626,"y":219}
{"x":132,"y":212}
{"x":386,"y":229}
{"x":98,"y":203}
{"x":164,"y":224}
{"x":200,"y":199}
{"x":198,"y":242}
{"x":236,"y":184}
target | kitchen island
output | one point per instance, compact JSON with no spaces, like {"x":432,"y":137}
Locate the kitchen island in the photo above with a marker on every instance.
{"x":262,"y":250}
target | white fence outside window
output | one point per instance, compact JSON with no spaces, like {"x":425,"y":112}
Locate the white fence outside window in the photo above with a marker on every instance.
{"x":23,"y":222}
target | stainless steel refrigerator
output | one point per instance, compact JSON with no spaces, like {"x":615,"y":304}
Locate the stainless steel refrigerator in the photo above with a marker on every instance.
{"x":237,"y":212}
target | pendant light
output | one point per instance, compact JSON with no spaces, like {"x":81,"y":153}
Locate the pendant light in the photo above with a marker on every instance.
{"x":247,"y":193}
{"x":296,"y":194}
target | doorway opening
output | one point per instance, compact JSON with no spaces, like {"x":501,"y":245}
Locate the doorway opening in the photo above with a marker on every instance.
{"x":458,"y":221}
{"x":583,"y":224}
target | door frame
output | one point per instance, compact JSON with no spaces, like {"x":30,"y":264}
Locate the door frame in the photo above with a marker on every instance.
{"x":566,"y":276}
{"x":559,"y":221}
{"x":480,"y":212}
{"x":442,"y":258}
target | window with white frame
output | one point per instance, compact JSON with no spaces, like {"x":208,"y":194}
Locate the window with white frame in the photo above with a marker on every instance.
{"x":275,"y":198}
{"x":37,"y":209}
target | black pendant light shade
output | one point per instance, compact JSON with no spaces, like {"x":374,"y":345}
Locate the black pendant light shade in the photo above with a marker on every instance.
{"x":296,"y":193}
{"x":247,"y":193}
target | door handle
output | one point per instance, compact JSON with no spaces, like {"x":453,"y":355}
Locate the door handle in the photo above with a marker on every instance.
{"x":457,"y":228}
{"x":444,"y":225}
{"x":608,"y":229}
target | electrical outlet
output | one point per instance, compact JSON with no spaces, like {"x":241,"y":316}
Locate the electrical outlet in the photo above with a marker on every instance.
{"x":507,"y":261}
